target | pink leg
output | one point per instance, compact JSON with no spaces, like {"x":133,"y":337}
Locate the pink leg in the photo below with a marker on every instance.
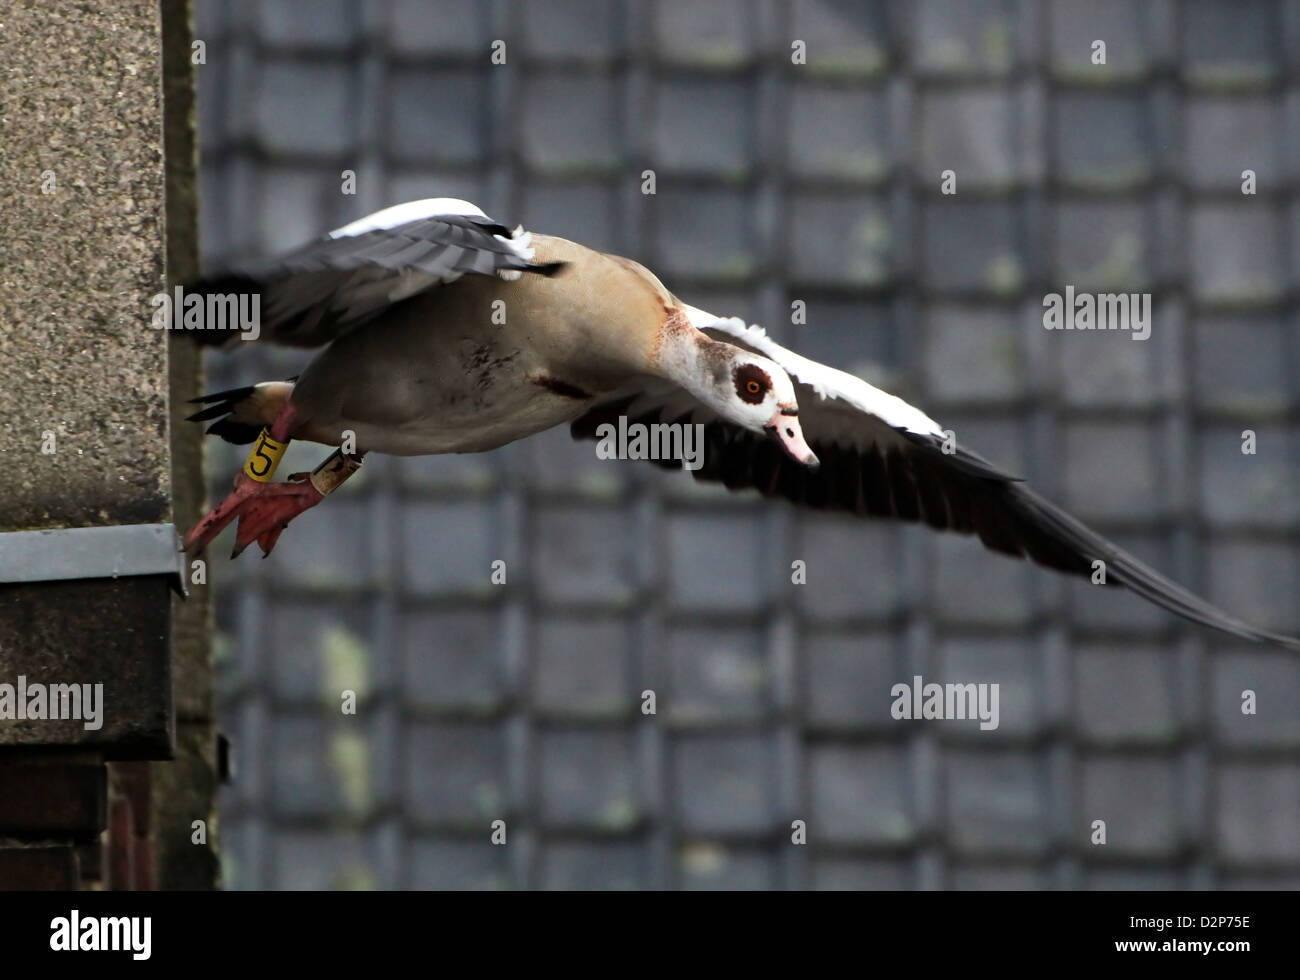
{"x":263,"y":509}
{"x":254,"y":504}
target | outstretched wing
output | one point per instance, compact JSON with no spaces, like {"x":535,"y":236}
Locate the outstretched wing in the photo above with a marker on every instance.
{"x":883,"y":458}
{"x":314,"y":294}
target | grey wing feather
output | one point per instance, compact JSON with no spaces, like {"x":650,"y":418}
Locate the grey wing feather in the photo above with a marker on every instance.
{"x":322,"y":290}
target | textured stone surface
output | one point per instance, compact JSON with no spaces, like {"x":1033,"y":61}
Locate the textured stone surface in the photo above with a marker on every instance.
{"x":84,"y":433}
{"x":79,"y":267}
{"x":86,"y":375}
{"x":119,"y":636}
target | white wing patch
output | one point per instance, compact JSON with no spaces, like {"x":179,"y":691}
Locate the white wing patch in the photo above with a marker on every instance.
{"x":400,"y":214}
{"x":521,"y":243}
{"x":827,"y":381}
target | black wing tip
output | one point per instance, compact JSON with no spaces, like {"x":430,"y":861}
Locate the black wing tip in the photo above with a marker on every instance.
{"x":1125,"y":570}
{"x":230,"y":281}
{"x":961,"y":458}
{"x":1289,"y":643}
{"x":224,"y":279}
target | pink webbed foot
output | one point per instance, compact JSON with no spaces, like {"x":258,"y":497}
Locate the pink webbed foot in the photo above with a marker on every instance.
{"x":263,"y":510}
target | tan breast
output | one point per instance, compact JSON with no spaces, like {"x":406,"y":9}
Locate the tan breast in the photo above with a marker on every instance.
{"x":483,"y":360}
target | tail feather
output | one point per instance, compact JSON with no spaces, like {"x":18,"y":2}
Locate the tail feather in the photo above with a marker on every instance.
{"x":230,"y":394}
{"x":241,"y":413}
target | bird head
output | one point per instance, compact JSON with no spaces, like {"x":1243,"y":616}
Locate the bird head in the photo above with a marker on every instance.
{"x":755,"y":393}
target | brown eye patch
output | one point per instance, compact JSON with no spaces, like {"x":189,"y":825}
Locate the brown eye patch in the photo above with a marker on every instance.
{"x":752,"y":383}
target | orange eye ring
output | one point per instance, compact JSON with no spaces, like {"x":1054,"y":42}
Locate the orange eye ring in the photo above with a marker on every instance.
{"x":753,"y":387}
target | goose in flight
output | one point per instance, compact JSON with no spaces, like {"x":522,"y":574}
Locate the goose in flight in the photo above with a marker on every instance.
{"x":441,"y":331}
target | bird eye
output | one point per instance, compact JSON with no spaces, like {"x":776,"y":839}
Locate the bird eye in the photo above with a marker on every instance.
{"x":752,"y":384}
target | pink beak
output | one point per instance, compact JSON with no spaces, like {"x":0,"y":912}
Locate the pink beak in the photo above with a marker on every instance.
{"x":784,"y":430}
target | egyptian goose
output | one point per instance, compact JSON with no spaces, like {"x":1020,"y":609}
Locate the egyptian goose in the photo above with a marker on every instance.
{"x":443,"y":331}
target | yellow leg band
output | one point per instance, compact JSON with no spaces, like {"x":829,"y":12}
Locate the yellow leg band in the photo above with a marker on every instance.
{"x":264,"y":458}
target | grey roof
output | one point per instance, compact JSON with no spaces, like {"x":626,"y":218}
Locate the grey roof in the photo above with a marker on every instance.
{"x":778,"y":183}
